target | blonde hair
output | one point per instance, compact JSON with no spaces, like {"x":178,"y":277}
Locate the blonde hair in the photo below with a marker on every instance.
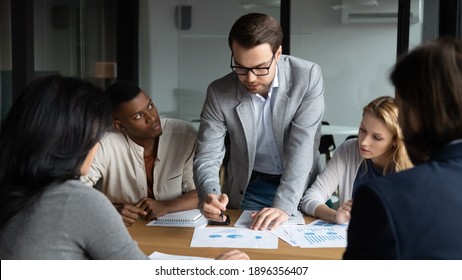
{"x":385,"y":109}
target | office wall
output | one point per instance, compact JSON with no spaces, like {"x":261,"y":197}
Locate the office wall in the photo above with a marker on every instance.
{"x":177,"y":65}
{"x":354,"y":58}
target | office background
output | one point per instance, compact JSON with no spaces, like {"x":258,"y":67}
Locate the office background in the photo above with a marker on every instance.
{"x":175,"y":48}
{"x":177,"y":65}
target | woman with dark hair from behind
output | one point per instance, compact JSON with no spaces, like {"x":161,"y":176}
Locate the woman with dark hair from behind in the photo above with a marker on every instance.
{"x":415,"y":214}
{"x":48,"y":141}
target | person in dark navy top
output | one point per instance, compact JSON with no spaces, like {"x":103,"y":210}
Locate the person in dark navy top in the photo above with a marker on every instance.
{"x":415,"y":214}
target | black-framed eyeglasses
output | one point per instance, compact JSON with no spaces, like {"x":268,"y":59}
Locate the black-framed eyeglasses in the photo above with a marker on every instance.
{"x":257,"y":71}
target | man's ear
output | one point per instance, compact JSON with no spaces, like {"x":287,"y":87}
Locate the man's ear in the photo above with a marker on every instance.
{"x":278,"y":53}
{"x":118,"y":125}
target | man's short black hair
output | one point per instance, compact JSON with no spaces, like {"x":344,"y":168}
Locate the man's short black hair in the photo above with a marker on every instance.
{"x":122,"y":91}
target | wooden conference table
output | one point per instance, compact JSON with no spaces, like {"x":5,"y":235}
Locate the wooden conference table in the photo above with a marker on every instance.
{"x":176,"y":241}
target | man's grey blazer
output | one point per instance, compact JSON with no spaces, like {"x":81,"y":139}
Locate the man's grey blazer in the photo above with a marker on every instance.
{"x":297,"y":108}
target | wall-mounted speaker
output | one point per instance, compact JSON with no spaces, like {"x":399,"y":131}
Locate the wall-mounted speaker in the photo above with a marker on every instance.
{"x":183,"y":17}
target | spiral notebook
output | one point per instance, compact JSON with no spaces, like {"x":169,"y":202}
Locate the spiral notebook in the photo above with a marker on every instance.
{"x":187,"y":218}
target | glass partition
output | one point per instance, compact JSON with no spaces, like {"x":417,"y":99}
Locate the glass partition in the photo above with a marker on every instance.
{"x":354,"y":42}
{"x":77,"y":40}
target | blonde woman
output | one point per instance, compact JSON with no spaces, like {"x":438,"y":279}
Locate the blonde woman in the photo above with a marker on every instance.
{"x":378,"y":150}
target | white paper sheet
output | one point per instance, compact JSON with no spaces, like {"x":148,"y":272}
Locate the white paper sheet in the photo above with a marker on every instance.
{"x":319,"y":234}
{"x":161,"y":256}
{"x":245,"y":220}
{"x":231,"y":237}
{"x":323,"y":223}
{"x":282,"y":233}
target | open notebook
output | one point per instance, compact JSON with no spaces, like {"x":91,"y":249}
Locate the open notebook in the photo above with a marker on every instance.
{"x":187,"y":218}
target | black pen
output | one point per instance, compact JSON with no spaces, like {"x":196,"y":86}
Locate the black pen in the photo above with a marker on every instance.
{"x":218,"y":196}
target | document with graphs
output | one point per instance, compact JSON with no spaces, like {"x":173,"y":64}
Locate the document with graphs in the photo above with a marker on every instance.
{"x":232,"y":237}
{"x":245,"y":219}
{"x":318,"y":234}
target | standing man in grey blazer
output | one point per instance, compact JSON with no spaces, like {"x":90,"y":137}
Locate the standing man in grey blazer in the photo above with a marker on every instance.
{"x":270,"y":106}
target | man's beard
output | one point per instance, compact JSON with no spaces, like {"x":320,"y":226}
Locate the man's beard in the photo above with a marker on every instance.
{"x":264,"y":89}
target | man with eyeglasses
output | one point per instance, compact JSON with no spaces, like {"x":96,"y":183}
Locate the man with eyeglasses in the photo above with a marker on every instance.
{"x":270,"y":108}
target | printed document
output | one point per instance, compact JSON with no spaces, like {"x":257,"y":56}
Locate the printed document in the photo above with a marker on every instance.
{"x":231,"y":237}
{"x":319,"y":234}
{"x":245,"y":220}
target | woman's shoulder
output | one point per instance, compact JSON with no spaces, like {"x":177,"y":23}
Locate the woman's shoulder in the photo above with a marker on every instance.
{"x":348,"y":152}
{"x":350,"y":146}
{"x":76,"y":190}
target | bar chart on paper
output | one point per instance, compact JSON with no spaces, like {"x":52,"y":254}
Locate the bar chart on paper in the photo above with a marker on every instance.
{"x":319,"y":234}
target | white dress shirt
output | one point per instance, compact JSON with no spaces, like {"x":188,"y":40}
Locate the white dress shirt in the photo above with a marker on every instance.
{"x":267,"y":159}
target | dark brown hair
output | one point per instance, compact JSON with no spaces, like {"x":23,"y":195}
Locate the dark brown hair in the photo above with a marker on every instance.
{"x":254,"y":29}
{"x":46,"y":137}
{"x":428,"y":82}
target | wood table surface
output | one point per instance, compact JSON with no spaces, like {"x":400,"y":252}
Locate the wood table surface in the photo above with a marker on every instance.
{"x":176,"y":241}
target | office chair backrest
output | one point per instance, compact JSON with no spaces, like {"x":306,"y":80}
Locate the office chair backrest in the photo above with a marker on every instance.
{"x":327,"y":144}
{"x":351,"y":137}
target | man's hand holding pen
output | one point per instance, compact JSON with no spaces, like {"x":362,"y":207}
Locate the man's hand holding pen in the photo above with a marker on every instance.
{"x":214,"y":205}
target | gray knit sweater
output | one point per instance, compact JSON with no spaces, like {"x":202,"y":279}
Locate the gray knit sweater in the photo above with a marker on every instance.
{"x":69,"y":221}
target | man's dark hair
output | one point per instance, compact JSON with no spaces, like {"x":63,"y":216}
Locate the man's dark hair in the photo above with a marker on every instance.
{"x":122,"y":91}
{"x":255,"y":29}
